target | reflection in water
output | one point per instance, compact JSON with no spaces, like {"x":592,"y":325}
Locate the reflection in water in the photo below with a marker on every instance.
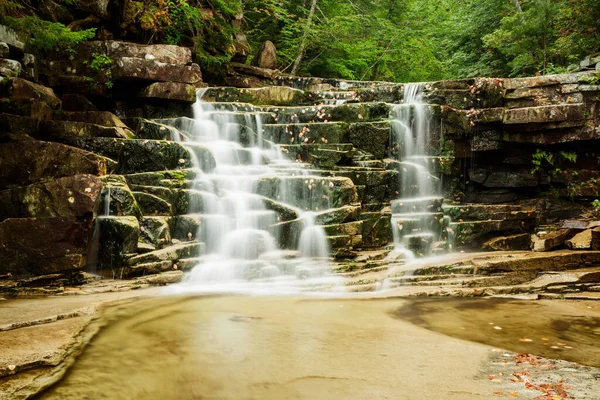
{"x":290,"y":348}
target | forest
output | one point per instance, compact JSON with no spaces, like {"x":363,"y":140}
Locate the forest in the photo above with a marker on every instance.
{"x":386,"y":40}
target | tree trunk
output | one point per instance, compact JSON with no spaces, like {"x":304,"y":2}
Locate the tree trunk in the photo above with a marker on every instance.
{"x":518,"y":6}
{"x":302,"y":49}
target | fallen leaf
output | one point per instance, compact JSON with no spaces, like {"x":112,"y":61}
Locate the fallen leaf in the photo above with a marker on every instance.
{"x":513,"y":394}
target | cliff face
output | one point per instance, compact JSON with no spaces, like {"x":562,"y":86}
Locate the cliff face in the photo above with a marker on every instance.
{"x":101,"y":138}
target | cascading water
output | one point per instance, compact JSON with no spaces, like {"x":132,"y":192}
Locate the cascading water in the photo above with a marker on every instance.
{"x":242,"y":236}
{"x":417,"y":218}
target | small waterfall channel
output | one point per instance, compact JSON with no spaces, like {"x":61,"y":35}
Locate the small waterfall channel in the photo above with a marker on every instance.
{"x":251,"y":241}
{"x":418,"y":222}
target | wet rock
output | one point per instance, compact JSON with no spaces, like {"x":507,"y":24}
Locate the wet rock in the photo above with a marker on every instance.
{"x":376,"y":228}
{"x":164,"y":278}
{"x":117,"y":236}
{"x":493,"y":196}
{"x":152,"y":205}
{"x":266,"y":57}
{"x":317,"y":132}
{"x":23,"y":89}
{"x":184,"y":226}
{"x":9,"y":67}
{"x":75,"y":196}
{"x":137,"y":69}
{"x":169,"y":91}
{"x":144,"y":155}
{"x":551,"y":240}
{"x":168,"y":179}
{"x":337,"y":215}
{"x":46,"y":160}
{"x":309,"y":193}
{"x":155,"y":230}
{"x":287,"y":233}
{"x":284,"y":212}
{"x":520,"y":241}
{"x":472,"y":233}
{"x":372,"y":137}
{"x":117,"y":198}
{"x":171,"y":253}
{"x":41,"y":246}
{"x":4,"y":50}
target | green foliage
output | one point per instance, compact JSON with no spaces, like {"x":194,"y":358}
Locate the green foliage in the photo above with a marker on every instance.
{"x":555,"y":160}
{"x":47,"y":36}
{"x":596,"y":205}
{"x":102,"y":64}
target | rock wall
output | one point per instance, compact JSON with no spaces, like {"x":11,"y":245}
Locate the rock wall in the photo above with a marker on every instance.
{"x":91,"y":176}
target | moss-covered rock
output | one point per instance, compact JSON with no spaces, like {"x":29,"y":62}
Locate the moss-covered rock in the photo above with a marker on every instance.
{"x":152,"y":205}
{"x":145,"y":155}
{"x":156,"y":231}
{"x":117,"y":198}
{"x":117,"y":236}
{"x":372,"y":137}
{"x":271,"y":95}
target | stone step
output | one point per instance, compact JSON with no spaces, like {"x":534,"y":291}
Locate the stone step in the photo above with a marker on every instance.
{"x":408,"y":223}
{"x":309,"y":133}
{"x":321,"y":155}
{"x":417,"y":204}
{"x":344,"y":241}
{"x":473,"y":232}
{"x":348,"y":228}
{"x":478,"y":212}
{"x":355,"y":112}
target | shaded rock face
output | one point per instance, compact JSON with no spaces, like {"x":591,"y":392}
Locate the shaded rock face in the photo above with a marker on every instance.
{"x":43,"y":162}
{"x":266,"y":57}
{"x":73,"y":196}
{"x":42,"y":246}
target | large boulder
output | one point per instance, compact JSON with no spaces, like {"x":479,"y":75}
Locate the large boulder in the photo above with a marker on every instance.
{"x":41,"y":246}
{"x":169,"y":91}
{"x":114,"y":49}
{"x":45,"y":160}
{"x":138,"y":69}
{"x":266,"y":57}
{"x":75,"y":196}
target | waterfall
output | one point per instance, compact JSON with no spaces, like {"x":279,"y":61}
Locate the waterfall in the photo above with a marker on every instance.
{"x":242,"y":236}
{"x":417,"y":219}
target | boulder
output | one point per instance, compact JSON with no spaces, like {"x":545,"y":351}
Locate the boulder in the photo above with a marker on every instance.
{"x":183,"y":227}
{"x":9,"y":67}
{"x":156,"y":231}
{"x":138,"y":69}
{"x":70,"y":132}
{"x":103,"y":118}
{"x":269,"y":95}
{"x":23,"y":89}
{"x":266,"y":57}
{"x":169,"y":91}
{"x":545,"y":114}
{"x":146,"y":129}
{"x":163,"y":53}
{"x":45,"y":160}
{"x":581,"y":241}
{"x":42,"y":246}
{"x":73,"y":196}
{"x":551,"y":240}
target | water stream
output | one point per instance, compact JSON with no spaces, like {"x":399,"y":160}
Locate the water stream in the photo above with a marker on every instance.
{"x":245,"y":234}
{"x":417,"y":218}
